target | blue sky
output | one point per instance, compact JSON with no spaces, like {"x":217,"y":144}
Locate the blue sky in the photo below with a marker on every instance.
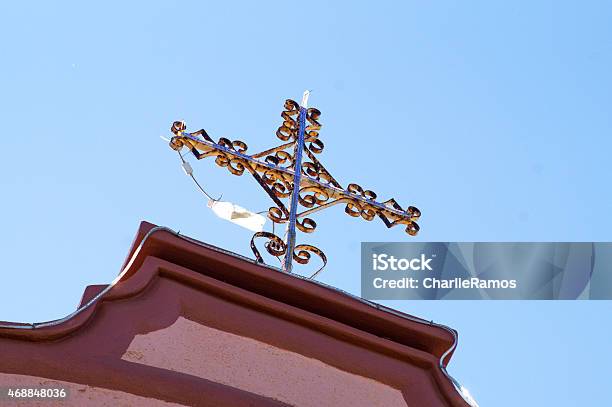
{"x":492,"y":117}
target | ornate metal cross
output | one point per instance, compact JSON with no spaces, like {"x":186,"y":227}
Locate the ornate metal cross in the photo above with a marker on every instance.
{"x":301,"y":179}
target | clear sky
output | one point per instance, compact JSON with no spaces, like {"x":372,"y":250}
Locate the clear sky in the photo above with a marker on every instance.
{"x":492,"y":117}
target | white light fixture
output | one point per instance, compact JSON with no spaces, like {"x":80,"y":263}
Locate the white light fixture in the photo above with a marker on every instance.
{"x":238,"y":215}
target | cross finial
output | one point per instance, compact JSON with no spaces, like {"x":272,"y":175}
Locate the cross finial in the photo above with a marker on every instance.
{"x":292,"y":171}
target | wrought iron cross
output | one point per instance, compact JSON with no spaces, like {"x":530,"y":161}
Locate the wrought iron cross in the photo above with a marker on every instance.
{"x":302,"y":179}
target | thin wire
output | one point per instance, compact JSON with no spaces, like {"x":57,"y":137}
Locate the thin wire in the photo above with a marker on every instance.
{"x":196,"y":181}
{"x":202,"y":189}
{"x":200,"y":186}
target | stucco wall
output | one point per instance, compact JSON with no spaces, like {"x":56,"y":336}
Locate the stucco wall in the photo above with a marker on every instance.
{"x":254,"y":366}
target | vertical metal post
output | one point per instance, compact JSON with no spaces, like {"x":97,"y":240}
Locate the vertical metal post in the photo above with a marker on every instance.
{"x":297,"y":168}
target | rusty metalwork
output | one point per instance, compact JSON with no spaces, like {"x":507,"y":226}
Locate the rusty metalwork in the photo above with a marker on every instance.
{"x":277,"y":169}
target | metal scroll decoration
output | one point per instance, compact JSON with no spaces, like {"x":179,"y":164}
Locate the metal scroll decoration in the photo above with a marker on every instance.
{"x":291,"y":171}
